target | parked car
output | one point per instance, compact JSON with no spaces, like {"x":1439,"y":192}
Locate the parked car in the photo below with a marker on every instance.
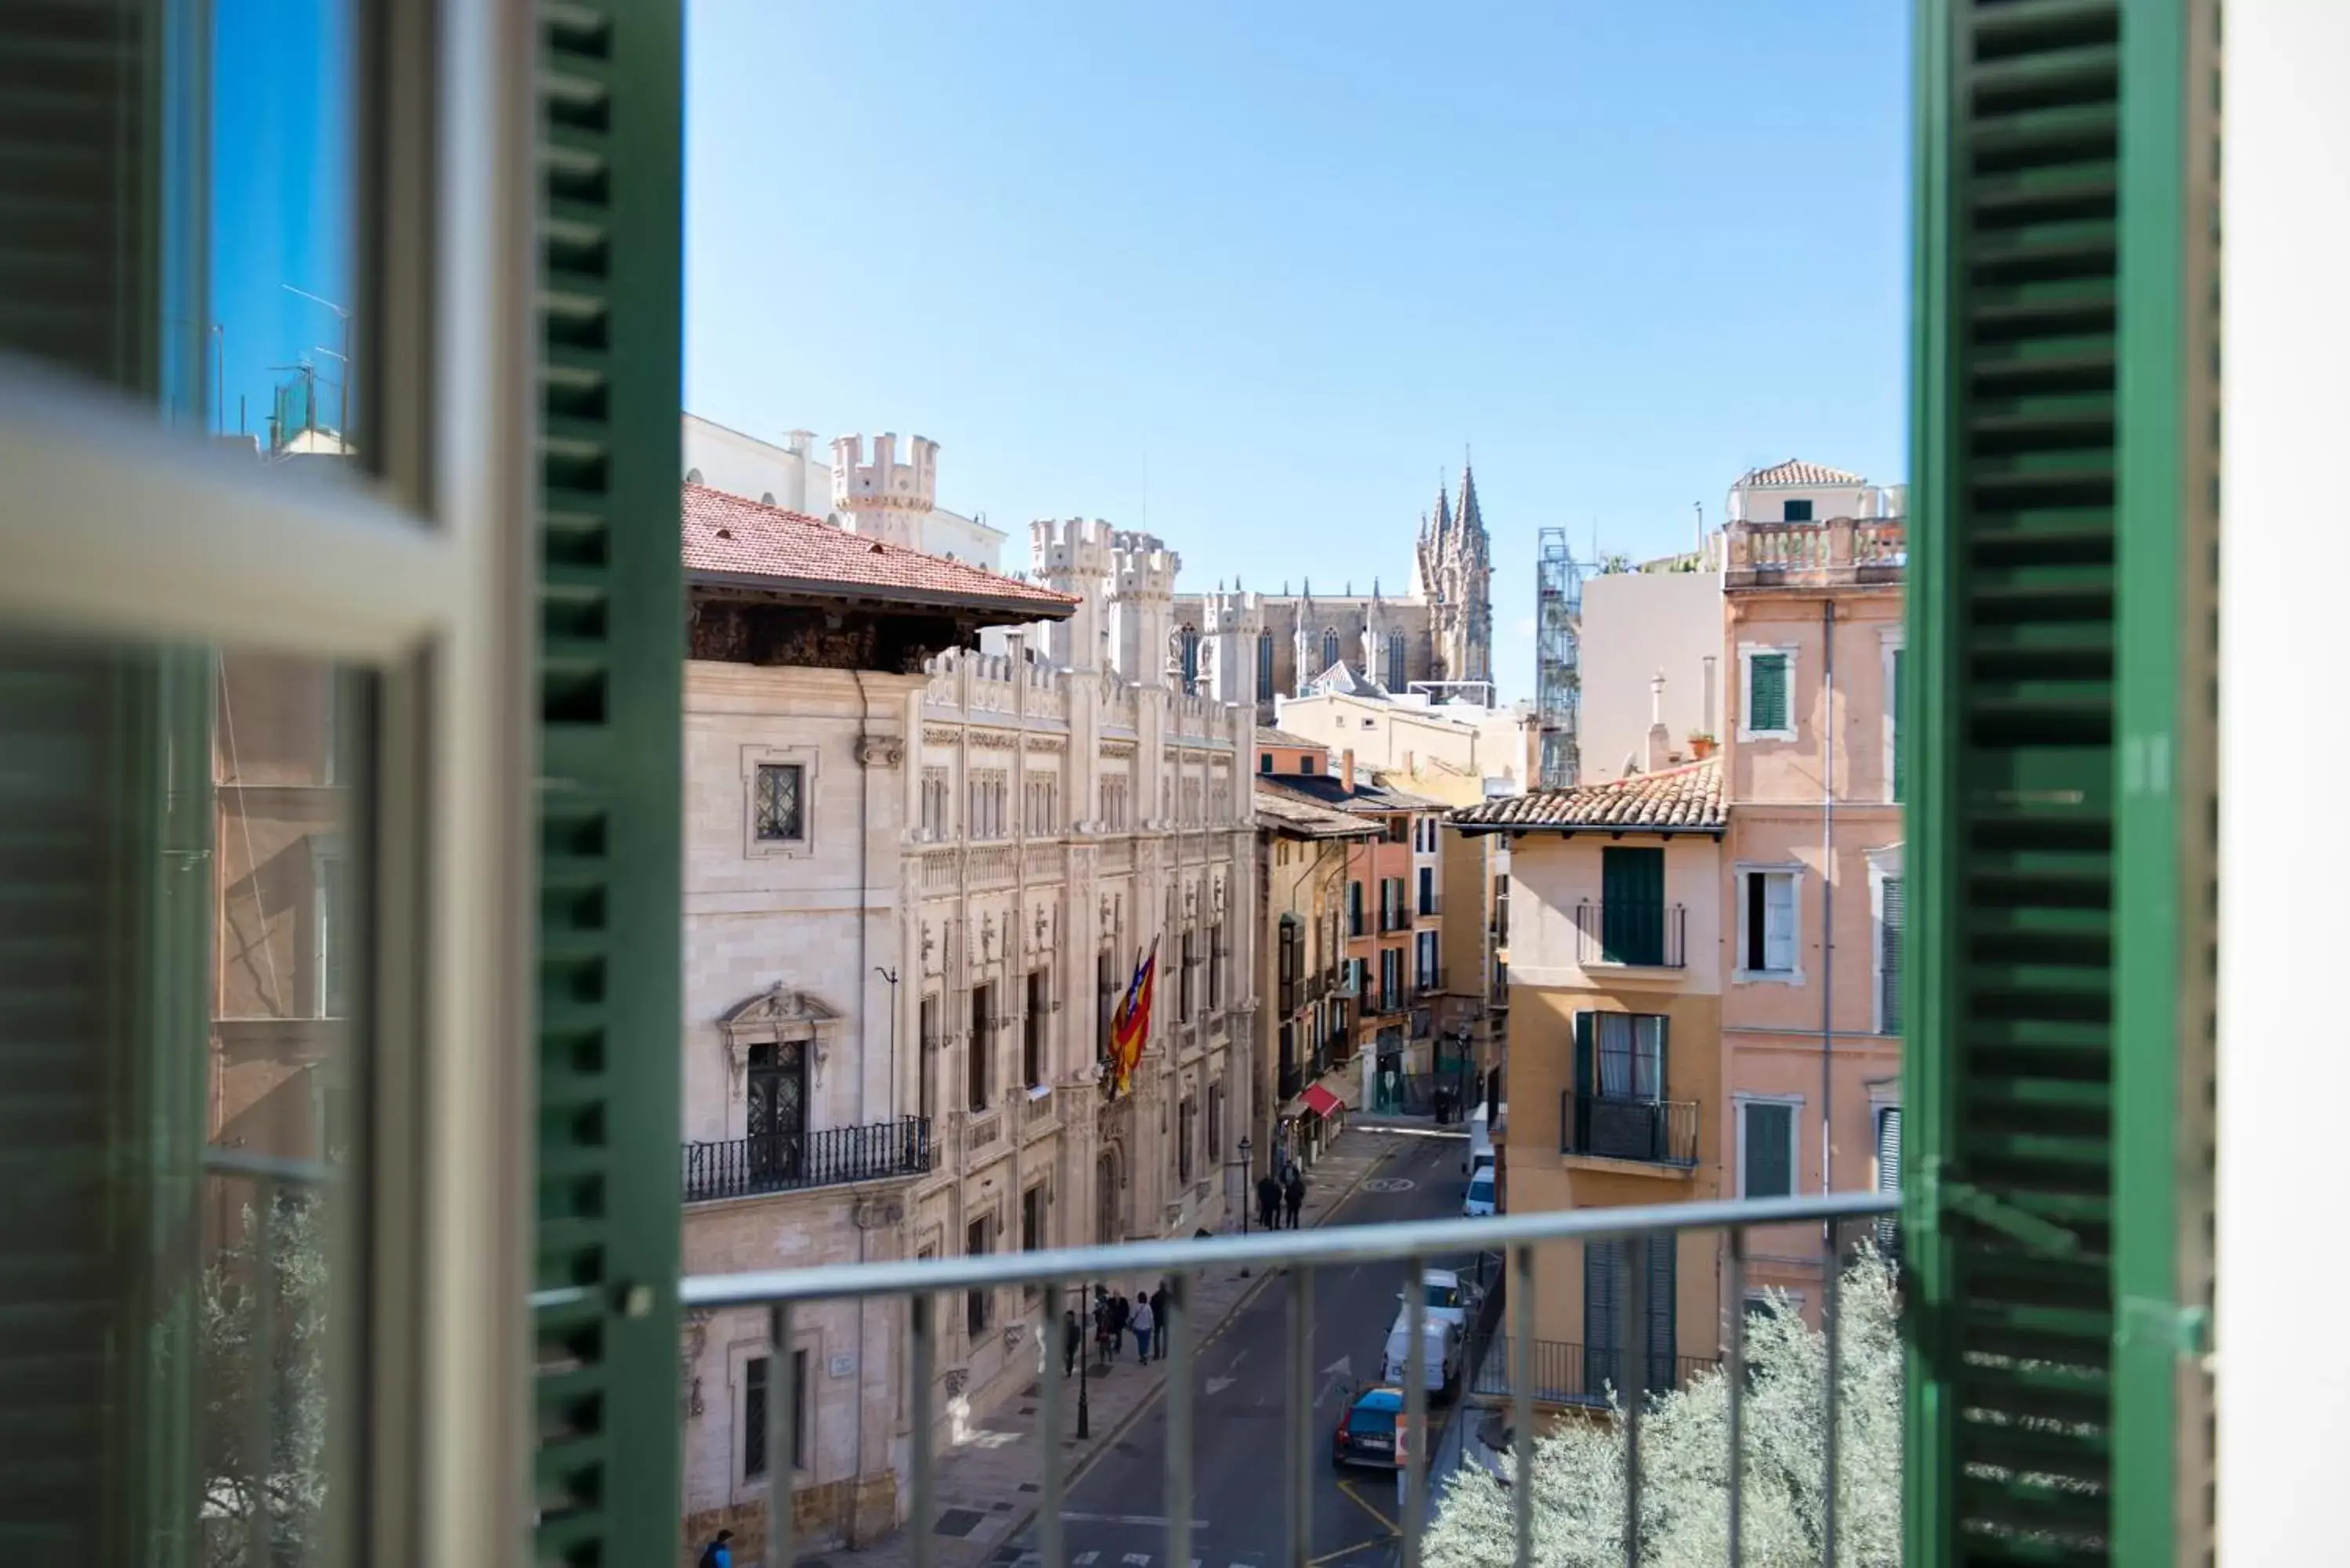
{"x":1481,"y":1198}
{"x":1449,"y":1297}
{"x":1366,"y":1426}
{"x":1440,"y":1352}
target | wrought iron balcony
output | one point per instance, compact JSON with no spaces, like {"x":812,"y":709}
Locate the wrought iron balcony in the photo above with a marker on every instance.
{"x":1429,"y":980}
{"x":1609,"y":1127}
{"x":1634,"y":934}
{"x":1569,"y":1373}
{"x":786,"y":1162}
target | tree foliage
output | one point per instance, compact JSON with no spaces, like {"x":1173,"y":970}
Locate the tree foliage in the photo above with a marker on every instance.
{"x":1579,"y":1469}
{"x":264,"y":1353}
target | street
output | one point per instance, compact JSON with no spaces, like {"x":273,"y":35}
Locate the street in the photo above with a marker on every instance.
{"x":1114,"y":1516}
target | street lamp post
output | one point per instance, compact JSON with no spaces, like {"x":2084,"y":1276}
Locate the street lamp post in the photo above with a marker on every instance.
{"x":1085,"y":1363}
{"x":1247,"y":1170}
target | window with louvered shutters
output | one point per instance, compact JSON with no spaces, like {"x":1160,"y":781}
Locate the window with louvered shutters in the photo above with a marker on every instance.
{"x":2065,"y":380}
{"x":1766,"y":1150}
{"x":1889,"y":956}
{"x":1766,"y":692}
{"x":1264,"y":668}
{"x":1889,"y":1170}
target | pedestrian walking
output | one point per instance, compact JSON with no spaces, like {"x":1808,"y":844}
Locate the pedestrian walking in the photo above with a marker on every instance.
{"x":1166,"y":1325}
{"x":1121,"y":1315}
{"x":1073,"y":1340}
{"x":1104,"y":1328}
{"x":1142,"y":1321}
{"x":718,"y":1554}
{"x":1293,"y":1194}
{"x":1268,"y":1202}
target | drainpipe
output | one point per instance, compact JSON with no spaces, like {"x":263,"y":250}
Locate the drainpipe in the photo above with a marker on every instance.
{"x":1828,"y":902}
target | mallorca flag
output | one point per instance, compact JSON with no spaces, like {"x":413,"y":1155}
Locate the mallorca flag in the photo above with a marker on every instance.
{"x":1129,"y":1026}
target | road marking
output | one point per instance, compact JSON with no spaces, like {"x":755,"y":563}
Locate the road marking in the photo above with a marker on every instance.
{"x":1342,"y":1367}
{"x":1151,"y":1520}
{"x":1216,"y":1385}
{"x":1084,"y":1559}
{"x":1347,"y":1488}
{"x":1344,"y":1552}
{"x":1389,"y":1184}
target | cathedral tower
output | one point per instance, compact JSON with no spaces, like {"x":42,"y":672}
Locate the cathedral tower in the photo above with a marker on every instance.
{"x":885,"y":499}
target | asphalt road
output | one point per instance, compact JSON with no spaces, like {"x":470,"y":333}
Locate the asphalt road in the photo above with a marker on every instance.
{"x":1115,"y":1515}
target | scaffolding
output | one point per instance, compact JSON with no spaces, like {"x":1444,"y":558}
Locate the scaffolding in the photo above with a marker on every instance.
{"x":1558,"y":676}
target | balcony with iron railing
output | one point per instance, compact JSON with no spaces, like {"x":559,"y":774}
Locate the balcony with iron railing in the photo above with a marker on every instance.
{"x":1429,"y":980}
{"x":1632,"y":934}
{"x":789,"y":1162}
{"x":1769,"y":1466}
{"x":1611,"y":1127}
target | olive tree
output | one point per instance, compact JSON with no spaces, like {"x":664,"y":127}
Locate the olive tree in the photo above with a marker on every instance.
{"x":1579,"y":1469}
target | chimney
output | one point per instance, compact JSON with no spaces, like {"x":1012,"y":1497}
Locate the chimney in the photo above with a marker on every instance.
{"x":1347,"y":768}
{"x":1660,"y":739}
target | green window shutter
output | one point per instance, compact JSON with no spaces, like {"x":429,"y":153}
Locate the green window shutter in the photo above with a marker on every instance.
{"x":1585,"y":1069}
{"x":1768,"y":1149}
{"x":1888,"y":954}
{"x":1632,"y":905}
{"x":612,"y":669}
{"x":1892,"y":719}
{"x":1766,"y":694}
{"x":2056,"y":1039}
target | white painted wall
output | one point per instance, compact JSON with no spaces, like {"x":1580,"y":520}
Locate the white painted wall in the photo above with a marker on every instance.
{"x":756,"y":469}
{"x":1634,"y":624}
{"x":1768,"y":503}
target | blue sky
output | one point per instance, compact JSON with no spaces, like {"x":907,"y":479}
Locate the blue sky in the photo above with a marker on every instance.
{"x":281,"y":199}
{"x":1253,"y":275}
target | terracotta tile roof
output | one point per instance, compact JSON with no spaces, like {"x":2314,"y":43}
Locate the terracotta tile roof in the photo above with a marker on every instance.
{"x":1678,"y":800}
{"x":1266,"y":735}
{"x":1368,"y":796}
{"x":729,"y":539}
{"x":1285,"y":812}
{"x":1795,"y":471}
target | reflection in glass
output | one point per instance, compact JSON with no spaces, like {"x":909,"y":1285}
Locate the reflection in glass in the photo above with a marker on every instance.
{"x":180,"y":964}
{"x":284,"y":286}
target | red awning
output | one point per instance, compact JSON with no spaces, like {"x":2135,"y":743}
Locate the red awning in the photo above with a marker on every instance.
{"x":1322,"y":1102}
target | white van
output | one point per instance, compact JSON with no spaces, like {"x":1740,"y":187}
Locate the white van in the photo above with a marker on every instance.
{"x":1481,"y":1142}
{"x":1450,"y":1298}
{"x":1440,"y":1352}
{"x":1482,"y":1198}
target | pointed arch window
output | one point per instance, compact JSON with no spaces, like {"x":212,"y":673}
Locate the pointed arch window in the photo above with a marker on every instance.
{"x":1190,"y":657}
{"x":1395,"y":661}
{"x":1264,"y":667}
{"x":1329,"y":647}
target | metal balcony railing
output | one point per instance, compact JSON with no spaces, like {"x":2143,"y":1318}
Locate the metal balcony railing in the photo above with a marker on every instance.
{"x":1431,"y":903}
{"x":1610,"y":1126}
{"x":1569,"y":1373}
{"x":1293,"y":1454}
{"x":785,"y":1162}
{"x":1429,"y":980}
{"x":1635,"y":935}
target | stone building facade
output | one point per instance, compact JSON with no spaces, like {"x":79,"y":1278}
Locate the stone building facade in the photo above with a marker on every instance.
{"x":899,"y":970}
{"x":1245,"y":647}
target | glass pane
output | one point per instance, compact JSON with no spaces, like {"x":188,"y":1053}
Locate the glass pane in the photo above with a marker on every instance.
{"x":284,"y":321}
{"x":181,"y":957}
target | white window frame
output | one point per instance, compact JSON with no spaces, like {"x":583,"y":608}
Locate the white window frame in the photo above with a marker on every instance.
{"x":1747,"y":653}
{"x":1794,"y":870}
{"x":419,"y":575}
{"x":756,"y":757}
{"x":1892,"y":640}
{"x":1882,"y":864}
{"x":1740,"y":1101}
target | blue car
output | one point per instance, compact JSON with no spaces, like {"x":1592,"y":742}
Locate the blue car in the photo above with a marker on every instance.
{"x":1366,"y":1427}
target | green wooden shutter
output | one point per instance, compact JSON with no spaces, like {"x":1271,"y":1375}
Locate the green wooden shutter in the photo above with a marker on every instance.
{"x":105,"y":868}
{"x":1892,"y":719}
{"x":1768,"y":1152}
{"x":612,"y":663}
{"x":1632,"y":905}
{"x":1766,"y":697}
{"x":2056,"y":776}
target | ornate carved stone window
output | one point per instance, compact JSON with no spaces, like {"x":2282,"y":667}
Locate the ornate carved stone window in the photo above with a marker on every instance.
{"x":789,"y":1034}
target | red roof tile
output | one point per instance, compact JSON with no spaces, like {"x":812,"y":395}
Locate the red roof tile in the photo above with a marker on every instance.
{"x":740,"y":541}
{"x":1795,"y":471}
{"x":1678,"y":800}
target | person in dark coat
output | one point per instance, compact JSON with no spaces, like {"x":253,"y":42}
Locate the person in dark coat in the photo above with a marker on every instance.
{"x":1121,"y":1312}
{"x":1159,"y":1315}
{"x":1293,"y":1194}
{"x":718,"y":1553}
{"x":1268,"y":1202}
{"x":1105,"y":1327}
{"x":1073,"y":1340}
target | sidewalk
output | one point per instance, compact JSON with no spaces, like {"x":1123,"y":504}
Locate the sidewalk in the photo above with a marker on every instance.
{"x":986,"y":1483}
